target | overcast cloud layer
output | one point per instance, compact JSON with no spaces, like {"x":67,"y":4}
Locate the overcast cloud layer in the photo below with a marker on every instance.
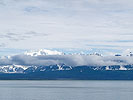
{"x":71,"y":60}
{"x":79,"y":24}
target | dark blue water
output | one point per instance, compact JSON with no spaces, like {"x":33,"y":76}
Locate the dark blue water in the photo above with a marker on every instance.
{"x":66,"y":90}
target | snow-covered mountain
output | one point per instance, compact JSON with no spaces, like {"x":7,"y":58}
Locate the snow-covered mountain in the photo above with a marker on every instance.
{"x":29,"y":62}
{"x":23,"y":69}
{"x":12,"y":68}
{"x":61,"y":67}
{"x":43,"y":52}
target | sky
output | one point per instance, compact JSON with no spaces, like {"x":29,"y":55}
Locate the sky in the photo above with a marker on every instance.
{"x":104,"y":26}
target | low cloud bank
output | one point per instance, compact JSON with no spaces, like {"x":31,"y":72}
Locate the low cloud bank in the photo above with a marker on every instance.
{"x":72,"y":60}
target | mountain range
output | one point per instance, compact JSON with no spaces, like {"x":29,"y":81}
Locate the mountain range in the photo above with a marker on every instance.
{"x":62,"y":70}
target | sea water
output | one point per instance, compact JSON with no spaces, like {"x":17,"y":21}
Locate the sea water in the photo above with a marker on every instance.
{"x":66,"y":90}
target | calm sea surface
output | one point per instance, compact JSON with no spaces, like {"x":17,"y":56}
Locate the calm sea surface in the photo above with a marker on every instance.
{"x":66,"y":90}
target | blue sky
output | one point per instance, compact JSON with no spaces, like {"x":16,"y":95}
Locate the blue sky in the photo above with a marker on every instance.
{"x":104,"y":26}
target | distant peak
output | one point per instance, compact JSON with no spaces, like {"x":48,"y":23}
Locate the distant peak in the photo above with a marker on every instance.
{"x":42,"y":52}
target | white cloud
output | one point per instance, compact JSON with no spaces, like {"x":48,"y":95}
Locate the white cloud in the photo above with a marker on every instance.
{"x":73,"y":60}
{"x":68,"y":23}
